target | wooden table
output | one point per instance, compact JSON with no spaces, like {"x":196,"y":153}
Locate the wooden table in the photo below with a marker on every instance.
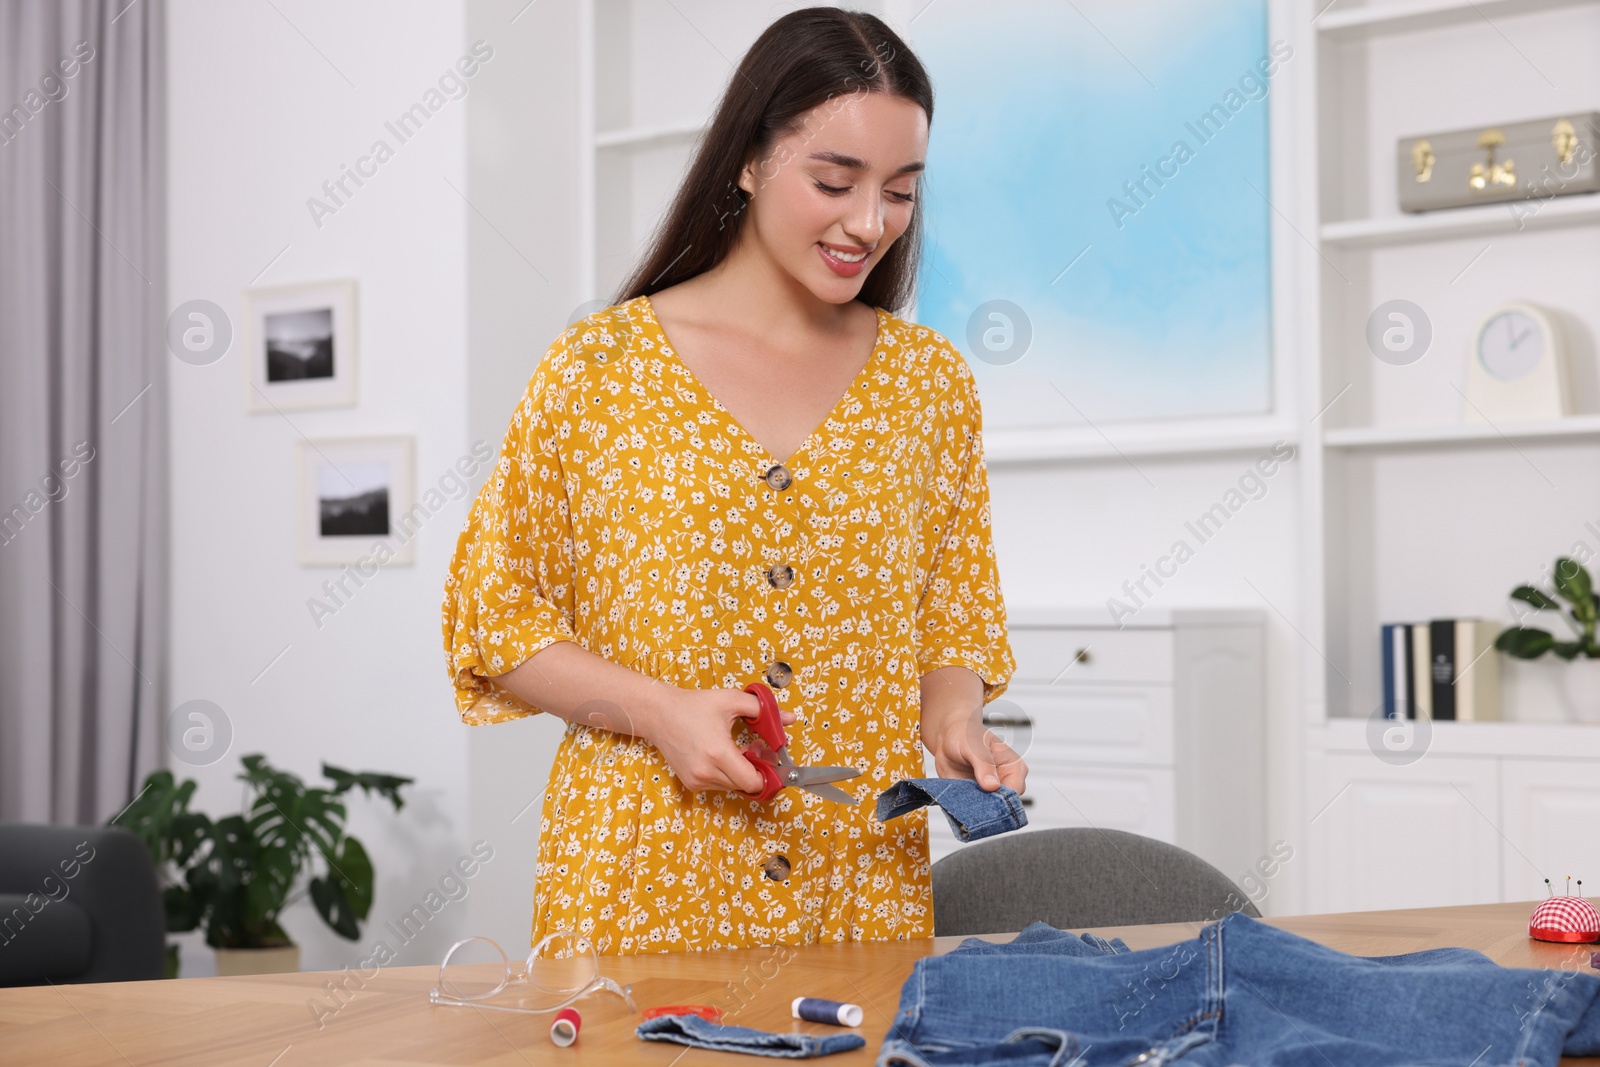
{"x":267,"y":1021}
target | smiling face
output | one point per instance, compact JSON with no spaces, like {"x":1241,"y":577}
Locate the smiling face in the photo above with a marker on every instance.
{"x":829,"y":199}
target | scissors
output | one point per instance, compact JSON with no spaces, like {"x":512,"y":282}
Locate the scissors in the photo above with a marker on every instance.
{"x":781,"y":771}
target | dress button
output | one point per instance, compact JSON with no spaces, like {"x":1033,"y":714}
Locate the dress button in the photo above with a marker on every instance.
{"x":776,"y":868}
{"x":778,"y":673}
{"x":780,"y":575}
{"x":778,"y":476}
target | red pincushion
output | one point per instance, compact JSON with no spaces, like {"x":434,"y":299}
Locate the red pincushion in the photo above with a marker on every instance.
{"x":1570,"y":919}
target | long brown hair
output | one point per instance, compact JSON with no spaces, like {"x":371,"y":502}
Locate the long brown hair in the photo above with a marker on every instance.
{"x":805,"y":58}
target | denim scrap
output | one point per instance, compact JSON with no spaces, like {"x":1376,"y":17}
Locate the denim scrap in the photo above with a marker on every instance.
{"x":696,"y":1032}
{"x":1241,"y":992}
{"x":974,"y":812}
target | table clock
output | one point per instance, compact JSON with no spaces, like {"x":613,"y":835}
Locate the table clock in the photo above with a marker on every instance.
{"x":1517,"y":366}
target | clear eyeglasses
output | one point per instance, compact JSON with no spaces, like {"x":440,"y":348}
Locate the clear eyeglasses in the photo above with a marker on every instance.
{"x":555,"y":974}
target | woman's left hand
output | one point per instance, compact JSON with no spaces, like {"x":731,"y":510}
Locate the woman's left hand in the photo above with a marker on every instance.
{"x":969,"y":749}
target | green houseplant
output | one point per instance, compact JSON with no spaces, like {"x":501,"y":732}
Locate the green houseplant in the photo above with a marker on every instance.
{"x":236,"y":875}
{"x":1571,"y":584}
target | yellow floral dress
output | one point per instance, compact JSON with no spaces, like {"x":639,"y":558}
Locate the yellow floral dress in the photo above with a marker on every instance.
{"x":630,"y":512}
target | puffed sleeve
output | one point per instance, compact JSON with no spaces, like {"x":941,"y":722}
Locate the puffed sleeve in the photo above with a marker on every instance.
{"x":960,"y":618}
{"x":509,"y":591}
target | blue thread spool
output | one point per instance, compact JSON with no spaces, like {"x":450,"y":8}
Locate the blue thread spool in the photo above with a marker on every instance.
{"x":817,"y":1010}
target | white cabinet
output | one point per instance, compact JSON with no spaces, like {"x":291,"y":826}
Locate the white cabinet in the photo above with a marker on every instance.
{"x":1154,"y":729}
{"x":1082,"y":655}
{"x":1411,"y":836}
{"x":1549,"y":812}
{"x":1089,"y":724}
{"x":1138,"y":800}
{"x":1481,"y":815}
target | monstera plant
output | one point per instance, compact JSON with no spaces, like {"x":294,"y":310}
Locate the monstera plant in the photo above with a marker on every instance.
{"x":235,"y":875}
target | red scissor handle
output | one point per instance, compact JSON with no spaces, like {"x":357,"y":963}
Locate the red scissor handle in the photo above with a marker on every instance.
{"x":771,"y":781}
{"x":767,"y":725}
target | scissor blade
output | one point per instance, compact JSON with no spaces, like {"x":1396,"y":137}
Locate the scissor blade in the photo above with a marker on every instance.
{"x":807,"y":776}
{"x":831,"y":792}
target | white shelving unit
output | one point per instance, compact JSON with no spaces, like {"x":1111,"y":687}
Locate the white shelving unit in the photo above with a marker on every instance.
{"x":1481,"y":433}
{"x":1357,"y":22}
{"x":1414,"y":507}
{"x":1486,"y":220}
{"x":636,"y":132}
{"x":1383,"y":71}
{"x":649,"y":136}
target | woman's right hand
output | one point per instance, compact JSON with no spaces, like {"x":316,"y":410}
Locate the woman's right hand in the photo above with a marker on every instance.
{"x":693,"y":729}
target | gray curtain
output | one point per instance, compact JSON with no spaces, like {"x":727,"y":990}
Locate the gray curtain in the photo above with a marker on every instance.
{"x":83,"y":469}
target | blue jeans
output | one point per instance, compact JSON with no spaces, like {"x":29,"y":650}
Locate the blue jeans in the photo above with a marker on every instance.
{"x":1241,"y":992}
{"x":974,"y":812}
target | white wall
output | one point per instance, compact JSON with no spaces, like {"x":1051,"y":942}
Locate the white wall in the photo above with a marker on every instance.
{"x":521,"y":250}
{"x":267,"y":102}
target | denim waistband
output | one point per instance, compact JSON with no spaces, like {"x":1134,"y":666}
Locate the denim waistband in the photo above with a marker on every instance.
{"x":696,"y":1032}
{"x":1241,"y":991}
{"x":973,"y":811}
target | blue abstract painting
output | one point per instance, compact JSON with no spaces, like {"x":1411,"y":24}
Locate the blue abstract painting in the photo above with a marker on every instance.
{"x":1097,"y":228}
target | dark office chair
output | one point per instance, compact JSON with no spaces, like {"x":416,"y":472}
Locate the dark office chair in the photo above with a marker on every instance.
{"x":78,"y":904}
{"x":1074,"y":879}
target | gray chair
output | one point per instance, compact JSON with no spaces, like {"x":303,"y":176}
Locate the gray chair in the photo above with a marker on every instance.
{"x":78,"y":904}
{"x":1074,"y":879}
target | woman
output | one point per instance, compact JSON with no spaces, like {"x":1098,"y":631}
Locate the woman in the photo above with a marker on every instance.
{"x":790,"y":490}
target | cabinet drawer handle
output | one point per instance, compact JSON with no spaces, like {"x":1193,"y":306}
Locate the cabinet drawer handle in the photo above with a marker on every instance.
{"x":1027,"y":801}
{"x":1008,"y":720}
{"x":1082,"y":655}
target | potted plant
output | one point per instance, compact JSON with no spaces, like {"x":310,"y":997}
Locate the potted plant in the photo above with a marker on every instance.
{"x":237,"y":874}
{"x":1581,"y":679}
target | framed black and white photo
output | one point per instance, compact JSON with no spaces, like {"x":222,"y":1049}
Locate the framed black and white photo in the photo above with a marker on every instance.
{"x":352,"y":495}
{"x":300,"y":345}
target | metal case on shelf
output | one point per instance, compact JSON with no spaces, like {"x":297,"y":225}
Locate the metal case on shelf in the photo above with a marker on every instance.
{"x":1539,"y":158}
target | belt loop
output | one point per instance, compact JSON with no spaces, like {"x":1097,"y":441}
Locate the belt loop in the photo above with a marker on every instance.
{"x":1064,"y":1042}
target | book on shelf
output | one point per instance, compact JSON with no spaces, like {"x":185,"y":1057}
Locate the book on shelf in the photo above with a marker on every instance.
{"x":1421,"y":689}
{"x":1442,"y":669}
{"x":1397,"y":670}
{"x":1477,"y":670}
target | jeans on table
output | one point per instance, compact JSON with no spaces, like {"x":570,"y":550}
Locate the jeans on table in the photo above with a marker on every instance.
{"x":974,"y":812}
{"x":1241,"y":992}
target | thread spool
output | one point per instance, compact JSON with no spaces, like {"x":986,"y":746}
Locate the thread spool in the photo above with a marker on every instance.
{"x":564,"y":1031}
{"x":818,"y":1010}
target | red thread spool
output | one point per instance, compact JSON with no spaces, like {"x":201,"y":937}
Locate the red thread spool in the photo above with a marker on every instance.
{"x":564,"y":1031}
